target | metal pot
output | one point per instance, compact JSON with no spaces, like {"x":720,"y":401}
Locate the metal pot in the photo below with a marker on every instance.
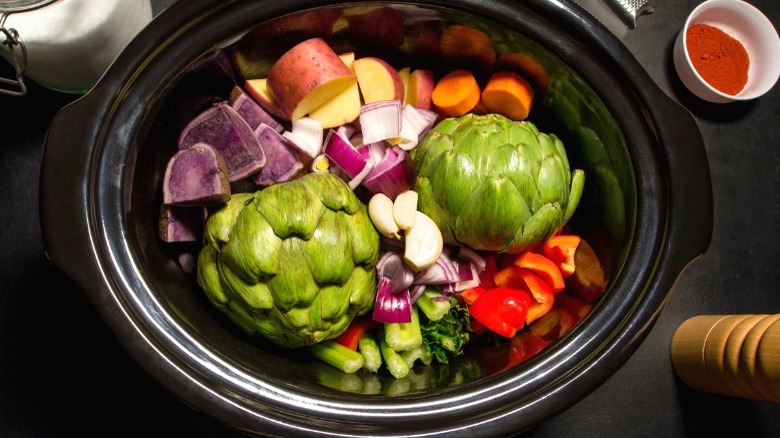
{"x":647,"y":210}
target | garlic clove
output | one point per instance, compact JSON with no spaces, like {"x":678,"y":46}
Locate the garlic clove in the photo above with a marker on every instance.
{"x":424,"y":243}
{"x":380,"y":210}
{"x":405,"y":209}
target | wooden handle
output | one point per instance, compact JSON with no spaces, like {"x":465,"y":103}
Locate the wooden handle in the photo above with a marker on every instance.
{"x":735,"y":355}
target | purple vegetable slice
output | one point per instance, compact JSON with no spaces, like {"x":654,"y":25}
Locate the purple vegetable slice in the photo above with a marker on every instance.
{"x":251,"y":111}
{"x":282,"y":160}
{"x":196,"y":176}
{"x":222,"y":127}
{"x":181,"y":224}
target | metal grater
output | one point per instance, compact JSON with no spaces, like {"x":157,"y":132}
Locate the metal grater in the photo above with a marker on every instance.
{"x":630,"y":10}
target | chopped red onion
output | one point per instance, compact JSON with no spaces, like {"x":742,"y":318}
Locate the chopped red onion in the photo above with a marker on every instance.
{"x":469,"y":275}
{"x":306,"y":135}
{"x":414,"y":124}
{"x":468,"y":254}
{"x":380,"y":120}
{"x":393,"y":175}
{"x":391,"y":265}
{"x":441,"y":272}
{"x":391,"y":307}
{"x":416,"y":291}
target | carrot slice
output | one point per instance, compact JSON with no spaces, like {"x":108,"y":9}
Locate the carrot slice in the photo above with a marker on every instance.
{"x":508,"y":93}
{"x":463,"y":46}
{"x":456,"y":93}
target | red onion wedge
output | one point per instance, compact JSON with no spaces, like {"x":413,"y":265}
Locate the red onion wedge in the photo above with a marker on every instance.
{"x":391,"y":307}
{"x":380,"y":120}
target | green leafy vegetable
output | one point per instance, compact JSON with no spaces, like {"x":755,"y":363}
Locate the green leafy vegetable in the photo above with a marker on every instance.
{"x":446,"y":337}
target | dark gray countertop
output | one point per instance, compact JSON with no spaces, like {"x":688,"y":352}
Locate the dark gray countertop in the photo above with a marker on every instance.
{"x":62,"y":373}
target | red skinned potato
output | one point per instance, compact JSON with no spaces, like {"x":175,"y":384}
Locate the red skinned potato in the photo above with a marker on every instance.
{"x":419,"y":89}
{"x":378,"y":26}
{"x":196,"y":175}
{"x":306,"y":76}
{"x":221,"y":127}
{"x":378,"y":80}
{"x":258,"y":90}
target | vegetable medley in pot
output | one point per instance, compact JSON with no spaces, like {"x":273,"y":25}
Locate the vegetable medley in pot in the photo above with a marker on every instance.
{"x":380,"y":216}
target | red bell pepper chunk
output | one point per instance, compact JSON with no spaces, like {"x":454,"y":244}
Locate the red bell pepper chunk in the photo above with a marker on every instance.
{"x":542,"y":294}
{"x":573,"y":304}
{"x":553,"y":324}
{"x":524,"y":346}
{"x":543,"y":267}
{"x":502,"y":310}
{"x":471,"y":295}
{"x":359,"y":325}
{"x":561,"y":249}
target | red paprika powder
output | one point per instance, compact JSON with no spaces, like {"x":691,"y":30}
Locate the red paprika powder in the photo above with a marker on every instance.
{"x":718,"y":57}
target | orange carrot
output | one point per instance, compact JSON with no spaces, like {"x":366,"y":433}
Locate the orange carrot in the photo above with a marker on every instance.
{"x":467,"y":47}
{"x":456,"y":93}
{"x":527,"y":67}
{"x":508,"y":93}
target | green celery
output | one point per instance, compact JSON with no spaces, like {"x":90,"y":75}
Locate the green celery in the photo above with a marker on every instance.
{"x":339,"y":356}
{"x":370,"y":350}
{"x":404,"y":336}
{"x":394,"y":362}
{"x":432,"y":305}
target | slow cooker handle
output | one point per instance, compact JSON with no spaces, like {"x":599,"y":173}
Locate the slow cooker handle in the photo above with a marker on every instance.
{"x":690,"y":184}
{"x":65,"y":173}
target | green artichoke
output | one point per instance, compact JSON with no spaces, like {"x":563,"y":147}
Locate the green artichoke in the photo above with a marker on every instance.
{"x":494,"y":184}
{"x":294,"y":262}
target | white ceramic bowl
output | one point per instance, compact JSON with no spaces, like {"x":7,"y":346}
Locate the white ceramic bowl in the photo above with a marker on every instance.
{"x":747,"y":25}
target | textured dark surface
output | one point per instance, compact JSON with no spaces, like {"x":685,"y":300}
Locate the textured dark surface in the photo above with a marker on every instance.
{"x":62,"y":373}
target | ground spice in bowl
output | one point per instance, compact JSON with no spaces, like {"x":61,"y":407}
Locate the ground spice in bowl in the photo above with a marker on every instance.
{"x":718,"y":57}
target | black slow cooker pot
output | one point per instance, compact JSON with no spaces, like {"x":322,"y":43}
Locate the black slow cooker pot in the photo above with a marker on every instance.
{"x":646,"y":209}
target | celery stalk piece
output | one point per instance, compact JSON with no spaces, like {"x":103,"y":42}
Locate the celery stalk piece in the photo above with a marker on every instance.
{"x":420,"y":352}
{"x":394,"y":362}
{"x":432,"y":305}
{"x":339,"y":356}
{"x":368,"y":347}
{"x":405,"y":335}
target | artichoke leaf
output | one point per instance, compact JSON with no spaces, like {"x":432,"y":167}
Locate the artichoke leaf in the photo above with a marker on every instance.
{"x":364,"y":238}
{"x":221,"y":221}
{"x":208,"y":276}
{"x":577,"y":186}
{"x":522,"y":133}
{"x":333,"y":304}
{"x":552,"y":182}
{"x":538,"y":228}
{"x":452,"y":193}
{"x":426,"y":203}
{"x":328,"y":259}
{"x":252,"y":251}
{"x":427,"y":158}
{"x":361,"y":289}
{"x":254,"y":295}
{"x":522,"y":175}
{"x":291,"y":209}
{"x":241,"y":318}
{"x":333,"y":192}
{"x":294,"y":284}
{"x":492,"y":213}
